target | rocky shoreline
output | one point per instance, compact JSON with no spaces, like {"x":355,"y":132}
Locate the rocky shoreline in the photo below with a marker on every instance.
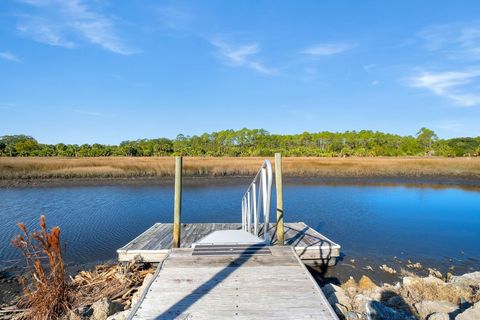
{"x":425,"y":298}
{"x":111,"y":295}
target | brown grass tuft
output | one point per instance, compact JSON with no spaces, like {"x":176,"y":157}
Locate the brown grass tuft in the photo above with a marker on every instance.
{"x":46,"y":292}
{"x":418,"y":289}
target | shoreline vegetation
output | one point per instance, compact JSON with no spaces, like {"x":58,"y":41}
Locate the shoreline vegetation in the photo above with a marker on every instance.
{"x":29,"y":170}
{"x":109,"y":291}
{"x":256,"y":142}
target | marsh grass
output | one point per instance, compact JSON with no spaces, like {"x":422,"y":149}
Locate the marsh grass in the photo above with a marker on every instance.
{"x":137,"y":167}
{"x":46,"y":293}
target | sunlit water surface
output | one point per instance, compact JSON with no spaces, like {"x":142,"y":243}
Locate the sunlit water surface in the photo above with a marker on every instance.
{"x":372,"y":221}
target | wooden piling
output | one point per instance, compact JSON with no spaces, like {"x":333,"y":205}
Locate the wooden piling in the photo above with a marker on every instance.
{"x":178,"y":203}
{"x":279,"y":189}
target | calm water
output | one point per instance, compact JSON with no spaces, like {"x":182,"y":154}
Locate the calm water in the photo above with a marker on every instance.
{"x":374,"y":221}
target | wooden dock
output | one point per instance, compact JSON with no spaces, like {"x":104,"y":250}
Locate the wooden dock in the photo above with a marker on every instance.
{"x":153,"y":245}
{"x":254,"y":282}
{"x":233,"y":270}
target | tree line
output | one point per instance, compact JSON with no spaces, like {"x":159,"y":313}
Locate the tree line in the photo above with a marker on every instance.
{"x":256,"y":142}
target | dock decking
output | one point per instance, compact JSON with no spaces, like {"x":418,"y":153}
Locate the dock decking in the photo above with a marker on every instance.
{"x":266,"y":283}
{"x":154,"y":244}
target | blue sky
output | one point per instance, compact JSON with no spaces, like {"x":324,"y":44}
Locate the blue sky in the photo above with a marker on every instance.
{"x":84,"y":71}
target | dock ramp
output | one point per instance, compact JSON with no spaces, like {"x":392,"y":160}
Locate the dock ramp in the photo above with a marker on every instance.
{"x":249,"y":282}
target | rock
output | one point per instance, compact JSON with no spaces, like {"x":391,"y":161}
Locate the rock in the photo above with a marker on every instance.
{"x":438,"y":316}
{"x":350,"y":286}
{"x":352,"y":315}
{"x":359,"y":303}
{"x":147,"y":279}
{"x":468,"y":279}
{"x":378,"y":311}
{"x":330,"y":288}
{"x":122,"y":315}
{"x":432,"y":288}
{"x":337,"y":298}
{"x":427,"y":307}
{"x":340,"y":310}
{"x":72,"y":315}
{"x":434,"y":272}
{"x":340,"y":302}
{"x":416,"y":287}
{"x":396,"y":301}
{"x":366,"y":283}
{"x":368,"y":268}
{"x":340,"y":298}
{"x":416,"y":265}
{"x":136,"y":296}
{"x":472,"y":313}
{"x":387,"y":269}
{"x":84,"y":312}
{"x":104,"y":308}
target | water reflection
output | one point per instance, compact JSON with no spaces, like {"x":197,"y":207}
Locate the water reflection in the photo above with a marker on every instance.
{"x":367,"y":220}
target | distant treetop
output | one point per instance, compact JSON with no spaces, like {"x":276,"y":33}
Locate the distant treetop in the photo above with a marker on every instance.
{"x":256,"y":142}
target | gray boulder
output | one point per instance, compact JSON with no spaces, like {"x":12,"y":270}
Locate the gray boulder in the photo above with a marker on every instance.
{"x":472,"y":313}
{"x":330,"y":288}
{"x":439,"y":316}
{"x":426,"y":308}
{"x":467,"y":279}
{"x":360,"y":302}
{"x":104,"y":308}
{"x":137,"y":295}
{"x":378,"y":311}
{"x":340,"y":302}
{"x":122,"y":315}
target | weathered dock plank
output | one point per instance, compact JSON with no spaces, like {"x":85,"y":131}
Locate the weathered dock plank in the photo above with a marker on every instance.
{"x":275,"y":286}
{"x":153,"y":245}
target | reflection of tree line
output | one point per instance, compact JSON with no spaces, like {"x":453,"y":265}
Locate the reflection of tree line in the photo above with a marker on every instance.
{"x":257,"y":142}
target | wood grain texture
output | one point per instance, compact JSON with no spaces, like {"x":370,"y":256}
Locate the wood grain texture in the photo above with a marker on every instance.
{"x":277,"y":286}
{"x":152,"y":245}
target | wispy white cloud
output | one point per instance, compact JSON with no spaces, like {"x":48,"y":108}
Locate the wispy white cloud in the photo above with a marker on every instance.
{"x":455,"y":47}
{"x":456,"y":40}
{"x":9,"y":56}
{"x":242,"y":55}
{"x":58,"y":21}
{"x":327,"y":49}
{"x":41,"y":31}
{"x":461,"y":87}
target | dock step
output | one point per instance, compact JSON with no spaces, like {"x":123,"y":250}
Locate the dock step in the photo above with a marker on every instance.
{"x":154,"y":244}
{"x":239,"y":249}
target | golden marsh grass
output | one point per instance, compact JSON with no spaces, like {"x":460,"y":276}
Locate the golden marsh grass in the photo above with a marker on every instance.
{"x":125,"y":167}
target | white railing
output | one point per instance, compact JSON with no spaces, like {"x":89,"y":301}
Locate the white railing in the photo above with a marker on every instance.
{"x":256,"y":201}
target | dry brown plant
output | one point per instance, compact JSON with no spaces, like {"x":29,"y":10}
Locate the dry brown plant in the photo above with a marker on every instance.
{"x":46,"y":293}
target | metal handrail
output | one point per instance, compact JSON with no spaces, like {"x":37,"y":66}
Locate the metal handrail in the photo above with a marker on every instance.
{"x":256,"y":200}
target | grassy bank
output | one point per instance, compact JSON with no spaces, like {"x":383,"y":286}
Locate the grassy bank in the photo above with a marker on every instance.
{"x":138,"y":167}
